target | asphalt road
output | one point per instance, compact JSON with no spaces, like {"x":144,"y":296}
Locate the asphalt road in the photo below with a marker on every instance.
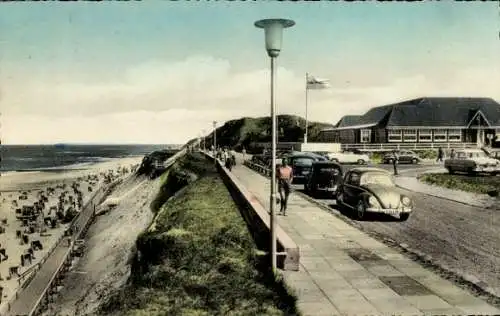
{"x":453,"y":236}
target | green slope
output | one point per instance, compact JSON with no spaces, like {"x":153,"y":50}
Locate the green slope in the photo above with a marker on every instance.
{"x":246,"y":131}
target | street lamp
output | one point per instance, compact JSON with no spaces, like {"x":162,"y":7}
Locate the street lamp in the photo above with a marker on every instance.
{"x":215,"y":140}
{"x":274,"y":36}
{"x":204,"y":133}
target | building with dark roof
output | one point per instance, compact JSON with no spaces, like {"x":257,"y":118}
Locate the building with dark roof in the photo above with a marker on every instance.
{"x":423,"y":120}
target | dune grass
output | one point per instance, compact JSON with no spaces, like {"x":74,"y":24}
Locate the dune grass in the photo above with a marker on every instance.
{"x":476,"y":184}
{"x":200,"y":259}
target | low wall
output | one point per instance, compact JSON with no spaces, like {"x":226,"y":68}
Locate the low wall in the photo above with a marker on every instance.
{"x":258,"y":220}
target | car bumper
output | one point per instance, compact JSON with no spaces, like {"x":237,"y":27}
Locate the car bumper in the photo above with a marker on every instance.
{"x":390,"y":211}
{"x":487,"y":169}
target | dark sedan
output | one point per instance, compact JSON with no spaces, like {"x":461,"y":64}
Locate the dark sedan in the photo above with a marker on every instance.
{"x":302,"y":165}
{"x":325,"y":177}
{"x":372,"y":190}
{"x":404,"y":156}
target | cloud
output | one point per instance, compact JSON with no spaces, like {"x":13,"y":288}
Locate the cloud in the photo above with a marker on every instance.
{"x":158,"y":102}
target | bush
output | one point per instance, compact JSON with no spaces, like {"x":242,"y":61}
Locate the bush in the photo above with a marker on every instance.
{"x":476,"y":184}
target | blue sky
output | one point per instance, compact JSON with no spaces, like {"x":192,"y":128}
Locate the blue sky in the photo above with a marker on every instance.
{"x":176,"y":66}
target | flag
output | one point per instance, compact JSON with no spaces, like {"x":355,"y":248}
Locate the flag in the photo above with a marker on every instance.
{"x":316,"y":83}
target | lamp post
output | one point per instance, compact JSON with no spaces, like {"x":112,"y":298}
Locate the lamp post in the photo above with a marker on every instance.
{"x":274,"y":35}
{"x":204,"y":133}
{"x":215,"y":139}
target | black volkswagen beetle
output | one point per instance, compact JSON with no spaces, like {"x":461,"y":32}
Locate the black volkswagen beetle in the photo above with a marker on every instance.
{"x":325,"y":177}
{"x":372,"y":190}
{"x":302,"y":165}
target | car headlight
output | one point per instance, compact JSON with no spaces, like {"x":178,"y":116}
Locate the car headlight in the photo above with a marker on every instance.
{"x":373,"y":201}
{"x":406,"y":201}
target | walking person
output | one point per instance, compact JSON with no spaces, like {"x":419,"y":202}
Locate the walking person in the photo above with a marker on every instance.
{"x":285,"y":178}
{"x":395,"y":159}
{"x":440,"y":155}
{"x":453,"y":154}
{"x":244,"y":152}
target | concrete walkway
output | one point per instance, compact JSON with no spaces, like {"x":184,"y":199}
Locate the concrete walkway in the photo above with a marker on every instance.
{"x":346,"y":272}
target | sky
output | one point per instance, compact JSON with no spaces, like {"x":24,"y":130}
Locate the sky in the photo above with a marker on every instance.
{"x":161,"y":72}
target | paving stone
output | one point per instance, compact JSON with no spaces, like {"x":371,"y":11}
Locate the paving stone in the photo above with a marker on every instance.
{"x":367,"y":283}
{"x":308,"y":291}
{"x":384,"y":270}
{"x":328,"y":285}
{"x":395,"y":306}
{"x":404,"y":285}
{"x":351,"y":302}
{"x":378,"y":294}
{"x":482,"y":309}
{"x":342,"y":264}
{"x":427,"y":302}
{"x":315,"y":264}
{"x":356,"y":274}
{"x":447,"y":311}
{"x":320,"y":308}
{"x":296,"y":276}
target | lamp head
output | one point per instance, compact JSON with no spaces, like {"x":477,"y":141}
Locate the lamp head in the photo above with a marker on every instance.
{"x":274,"y":33}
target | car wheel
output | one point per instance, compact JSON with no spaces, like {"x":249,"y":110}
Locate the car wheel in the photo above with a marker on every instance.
{"x":450,"y":170}
{"x":361,"y":210}
{"x":361,"y":162}
{"x":404,"y":217}
{"x":389,"y":161}
{"x":414,"y":161}
{"x":335,"y":160}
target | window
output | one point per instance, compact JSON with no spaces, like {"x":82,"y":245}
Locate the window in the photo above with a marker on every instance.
{"x":410,"y":135}
{"x":353,"y":179}
{"x":454,"y":135}
{"x":439,"y":135}
{"x":366,"y":135}
{"x":303,"y":162}
{"x":424,"y":135}
{"x":394,"y":135}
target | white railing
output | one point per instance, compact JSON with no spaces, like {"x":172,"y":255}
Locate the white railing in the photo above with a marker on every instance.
{"x":408,"y":146}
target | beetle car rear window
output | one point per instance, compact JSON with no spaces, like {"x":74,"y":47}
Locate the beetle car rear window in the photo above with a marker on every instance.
{"x":303,"y":162}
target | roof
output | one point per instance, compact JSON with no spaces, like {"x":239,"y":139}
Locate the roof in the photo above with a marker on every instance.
{"x":325,"y":162}
{"x":368,"y":169}
{"x":427,"y":112}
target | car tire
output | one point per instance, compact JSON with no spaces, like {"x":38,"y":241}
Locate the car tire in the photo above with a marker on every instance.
{"x":450,"y":170}
{"x":414,"y":161}
{"x":361,"y":210}
{"x":335,"y":160}
{"x":361,"y":162}
{"x":404,"y":217}
{"x":389,"y":161}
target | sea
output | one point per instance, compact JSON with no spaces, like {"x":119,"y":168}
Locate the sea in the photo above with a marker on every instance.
{"x":52,"y":157}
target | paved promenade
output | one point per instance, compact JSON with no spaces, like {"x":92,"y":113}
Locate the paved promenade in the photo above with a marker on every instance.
{"x":346,"y":272}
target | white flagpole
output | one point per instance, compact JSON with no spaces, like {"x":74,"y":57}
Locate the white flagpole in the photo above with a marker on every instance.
{"x":305,"y":135}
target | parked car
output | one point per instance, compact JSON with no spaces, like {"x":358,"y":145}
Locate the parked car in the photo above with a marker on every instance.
{"x":325,"y":177}
{"x":372,"y":190}
{"x":302,"y":165}
{"x":472,"y":161}
{"x":404,"y":156}
{"x":348,"y":157}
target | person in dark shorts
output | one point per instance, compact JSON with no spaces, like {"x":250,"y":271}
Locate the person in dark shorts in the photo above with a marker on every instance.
{"x":285,"y":177}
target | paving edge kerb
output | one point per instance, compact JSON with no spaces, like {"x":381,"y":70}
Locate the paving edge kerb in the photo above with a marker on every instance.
{"x":463,"y":281}
{"x":289,"y":257}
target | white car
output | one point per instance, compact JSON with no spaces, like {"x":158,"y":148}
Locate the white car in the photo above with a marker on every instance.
{"x":472,"y":161}
{"x":349,"y":158}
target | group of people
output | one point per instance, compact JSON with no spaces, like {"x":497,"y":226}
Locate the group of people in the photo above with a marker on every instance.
{"x":228,"y":157}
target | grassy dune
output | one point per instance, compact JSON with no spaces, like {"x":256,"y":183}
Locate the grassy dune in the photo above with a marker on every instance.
{"x":198,"y":258}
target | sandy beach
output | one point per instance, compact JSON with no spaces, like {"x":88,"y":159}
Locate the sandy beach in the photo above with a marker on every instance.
{"x":37,"y":207}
